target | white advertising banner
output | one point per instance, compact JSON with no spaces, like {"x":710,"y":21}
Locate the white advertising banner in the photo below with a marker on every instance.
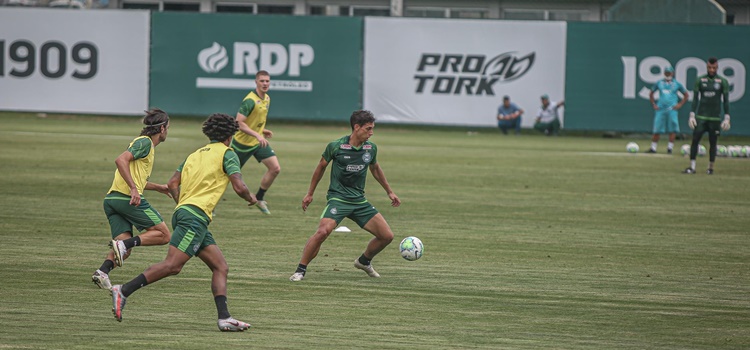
{"x":456,"y":72}
{"x":93,"y":61}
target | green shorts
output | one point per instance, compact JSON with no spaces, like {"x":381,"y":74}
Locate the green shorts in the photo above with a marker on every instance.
{"x":190,"y":230}
{"x":122,"y":216}
{"x":710,"y":126}
{"x":245,"y":152}
{"x":360,"y":213}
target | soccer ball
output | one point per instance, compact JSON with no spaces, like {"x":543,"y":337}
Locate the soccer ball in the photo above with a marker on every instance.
{"x":701,"y":150}
{"x":734,"y":151}
{"x":722,"y":151}
{"x":632,"y":147}
{"x":411,"y":248}
{"x":745,"y":151}
{"x":685,"y":150}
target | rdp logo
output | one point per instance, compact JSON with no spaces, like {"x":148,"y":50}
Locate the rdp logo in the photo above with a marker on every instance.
{"x":650,"y":70}
{"x":469,"y":74}
{"x":52,"y":59}
{"x":249,"y":58}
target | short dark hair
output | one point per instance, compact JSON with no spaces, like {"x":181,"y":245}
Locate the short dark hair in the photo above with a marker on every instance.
{"x":154,"y":119}
{"x":506,"y":98}
{"x":712,"y":60}
{"x":361,"y":117}
{"x":220,"y":126}
{"x":261,"y":73}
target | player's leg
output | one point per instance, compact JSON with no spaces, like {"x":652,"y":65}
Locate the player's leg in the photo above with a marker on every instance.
{"x":266,"y":156}
{"x":312,"y":247}
{"x":146,"y":219}
{"x":555,"y":127}
{"x":383,"y":236}
{"x":697,"y":135}
{"x":658,"y":129}
{"x":673,"y":127}
{"x":171,"y":265}
{"x":503,"y":125}
{"x":212,"y":256}
{"x":120,"y":228}
{"x":517,"y":125}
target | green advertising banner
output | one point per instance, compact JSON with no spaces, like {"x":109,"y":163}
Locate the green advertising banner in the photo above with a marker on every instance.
{"x":611,"y":68}
{"x":206,"y":63}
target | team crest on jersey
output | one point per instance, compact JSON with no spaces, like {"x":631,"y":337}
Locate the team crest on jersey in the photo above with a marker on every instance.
{"x":334,"y":211}
{"x":367,"y":157}
{"x":717,"y":86}
{"x":367,"y":147}
{"x":346,"y":146}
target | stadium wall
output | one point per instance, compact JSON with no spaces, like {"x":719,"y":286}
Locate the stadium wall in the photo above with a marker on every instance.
{"x":54,"y":60}
{"x":611,"y":67}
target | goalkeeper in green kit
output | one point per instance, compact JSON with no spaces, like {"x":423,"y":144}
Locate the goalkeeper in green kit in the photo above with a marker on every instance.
{"x":710,"y":93}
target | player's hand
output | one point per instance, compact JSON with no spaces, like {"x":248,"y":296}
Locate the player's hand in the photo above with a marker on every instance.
{"x":253,"y":200}
{"x":267,"y":133}
{"x":262,"y":142}
{"x":656,"y":108}
{"x":135,"y":197}
{"x":164,"y":189}
{"x":394,"y":199}
{"x":725,"y":125}
{"x":692,"y":123}
{"x":306,"y":201}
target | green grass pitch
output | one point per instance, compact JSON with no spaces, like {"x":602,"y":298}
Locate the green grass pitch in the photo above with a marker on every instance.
{"x":531,"y":242}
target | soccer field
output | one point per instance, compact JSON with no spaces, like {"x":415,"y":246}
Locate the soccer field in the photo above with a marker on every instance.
{"x":531,"y":242}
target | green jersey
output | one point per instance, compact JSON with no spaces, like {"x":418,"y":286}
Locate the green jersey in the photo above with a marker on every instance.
{"x":349,"y":168}
{"x":708,"y":94}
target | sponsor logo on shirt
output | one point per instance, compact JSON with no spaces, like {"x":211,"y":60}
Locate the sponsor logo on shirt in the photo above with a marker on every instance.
{"x":367,"y":147}
{"x":355,"y":167}
{"x":346,"y":146}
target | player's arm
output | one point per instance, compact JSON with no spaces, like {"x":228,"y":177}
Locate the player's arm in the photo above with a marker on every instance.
{"x":519,"y":112}
{"x":651,"y":96}
{"x":379,"y":175}
{"x":241,"y":189}
{"x":231,"y":167}
{"x":685,"y":97}
{"x":317,"y":175}
{"x":696,"y":97}
{"x":157,"y":187}
{"x":173,"y":185}
{"x":123,"y":166}
{"x":560,"y":104}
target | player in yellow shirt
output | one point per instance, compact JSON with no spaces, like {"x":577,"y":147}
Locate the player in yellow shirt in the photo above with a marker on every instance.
{"x":251,"y":139}
{"x":124,"y":204}
{"x":197,"y":186}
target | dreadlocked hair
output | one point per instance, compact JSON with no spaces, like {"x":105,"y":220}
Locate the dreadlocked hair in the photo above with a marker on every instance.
{"x":219,"y":127}
{"x":155,"y":118}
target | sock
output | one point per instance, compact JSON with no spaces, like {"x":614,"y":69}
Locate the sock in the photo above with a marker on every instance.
{"x":692,"y":164}
{"x":301,"y":269}
{"x":108,"y":266}
{"x":132,"y":242}
{"x":260,"y":194}
{"x":653,"y":145}
{"x":221,"y":306}
{"x":134,"y":285}
{"x":364,"y":260}
{"x":670,"y":145}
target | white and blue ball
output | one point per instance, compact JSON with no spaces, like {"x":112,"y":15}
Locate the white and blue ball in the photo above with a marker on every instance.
{"x":411,"y":248}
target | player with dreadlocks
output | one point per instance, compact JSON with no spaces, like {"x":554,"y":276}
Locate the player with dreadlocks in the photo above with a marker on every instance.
{"x":124,"y":204}
{"x":196,"y":187}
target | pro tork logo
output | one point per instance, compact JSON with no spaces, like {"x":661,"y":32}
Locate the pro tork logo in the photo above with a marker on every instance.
{"x":248,"y":58}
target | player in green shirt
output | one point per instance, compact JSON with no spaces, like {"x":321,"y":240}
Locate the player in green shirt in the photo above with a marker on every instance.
{"x":350,"y":157}
{"x":710,"y":93}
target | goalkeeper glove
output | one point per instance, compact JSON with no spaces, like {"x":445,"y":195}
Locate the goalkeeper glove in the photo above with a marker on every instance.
{"x":691,"y":122}
{"x":725,"y":124}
